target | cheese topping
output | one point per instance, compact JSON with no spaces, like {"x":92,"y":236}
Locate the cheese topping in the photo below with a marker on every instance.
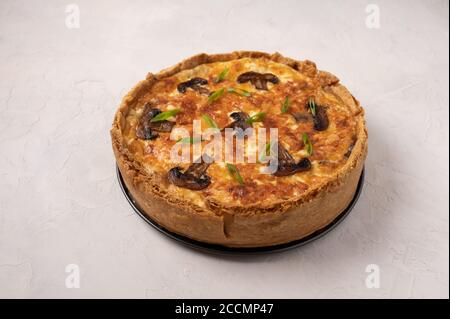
{"x":330,"y":147}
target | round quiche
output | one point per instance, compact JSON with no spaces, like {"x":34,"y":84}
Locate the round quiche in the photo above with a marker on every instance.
{"x":320,"y":148}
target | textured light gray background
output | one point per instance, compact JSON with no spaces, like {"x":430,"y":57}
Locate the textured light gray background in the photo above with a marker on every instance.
{"x":59,"y":199}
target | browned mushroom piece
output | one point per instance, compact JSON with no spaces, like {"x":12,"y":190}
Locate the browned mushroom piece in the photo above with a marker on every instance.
{"x":301,"y":117}
{"x":259,"y":80}
{"x":240,"y":121}
{"x":194,"y":178}
{"x":321,"y":118}
{"x":146,"y":129}
{"x":195,"y":84}
{"x":287,"y":165}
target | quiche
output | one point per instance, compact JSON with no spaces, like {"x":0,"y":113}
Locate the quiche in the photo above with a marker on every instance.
{"x":320,"y":148}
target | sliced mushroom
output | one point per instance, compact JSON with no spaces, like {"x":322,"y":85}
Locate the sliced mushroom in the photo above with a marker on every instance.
{"x":259,"y":80}
{"x":320,"y":119}
{"x":240,"y":121}
{"x":146,"y":129}
{"x":194,"y":177}
{"x":195,"y":84}
{"x":301,"y":117}
{"x":287,"y":165}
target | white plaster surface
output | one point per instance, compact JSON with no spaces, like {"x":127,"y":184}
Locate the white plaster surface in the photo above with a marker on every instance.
{"x":60,"y":202}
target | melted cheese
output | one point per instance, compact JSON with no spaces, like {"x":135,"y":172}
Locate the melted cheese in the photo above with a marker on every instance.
{"x":329,"y":146}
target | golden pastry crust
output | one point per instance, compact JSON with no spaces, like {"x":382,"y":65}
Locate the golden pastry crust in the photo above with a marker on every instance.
{"x":273,"y":211}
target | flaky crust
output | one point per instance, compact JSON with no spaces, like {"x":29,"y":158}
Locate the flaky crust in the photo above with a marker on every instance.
{"x":252,"y":225}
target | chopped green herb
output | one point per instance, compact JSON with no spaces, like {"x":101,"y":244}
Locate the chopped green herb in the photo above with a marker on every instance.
{"x":312,"y":106}
{"x":232,"y":169}
{"x":209,"y":121}
{"x":189,"y":140}
{"x":307,"y":142}
{"x":285,"y":105}
{"x":258,"y":117}
{"x":165,"y":115}
{"x":216,"y":95}
{"x":222,"y":75}
{"x":239,"y":91}
{"x":267,"y":152}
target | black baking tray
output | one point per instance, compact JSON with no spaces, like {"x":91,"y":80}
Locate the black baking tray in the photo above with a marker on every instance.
{"x":223,"y":250}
